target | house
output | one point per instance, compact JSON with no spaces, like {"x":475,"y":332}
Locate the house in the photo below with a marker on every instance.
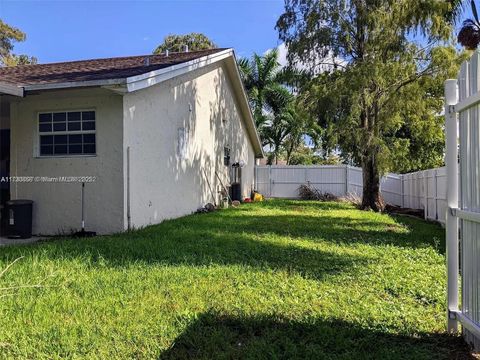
{"x":153,"y":137}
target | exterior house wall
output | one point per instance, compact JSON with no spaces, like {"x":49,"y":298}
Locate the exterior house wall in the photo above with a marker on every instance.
{"x":4,"y":114}
{"x":163,"y":182}
{"x":57,"y":206}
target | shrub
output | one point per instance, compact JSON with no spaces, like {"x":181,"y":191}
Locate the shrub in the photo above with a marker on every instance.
{"x":308,"y":192}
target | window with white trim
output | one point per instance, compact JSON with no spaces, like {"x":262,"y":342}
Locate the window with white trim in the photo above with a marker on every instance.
{"x":67,"y":133}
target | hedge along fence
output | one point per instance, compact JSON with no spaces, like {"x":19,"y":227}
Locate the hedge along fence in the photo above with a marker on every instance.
{"x":424,"y":190}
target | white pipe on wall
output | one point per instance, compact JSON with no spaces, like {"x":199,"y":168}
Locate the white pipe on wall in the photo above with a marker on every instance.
{"x":129,"y":218}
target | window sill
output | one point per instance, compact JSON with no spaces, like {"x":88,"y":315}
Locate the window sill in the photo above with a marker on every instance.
{"x":64,"y":156}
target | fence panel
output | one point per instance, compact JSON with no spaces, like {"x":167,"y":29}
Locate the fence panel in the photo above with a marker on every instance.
{"x":425,"y":190}
{"x":327,"y":179}
{"x":469,"y":140}
{"x":262,"y":180}
{"x":355,"y":181}
{"x":391,"y":188}
{"x":284,"y":181}
{"x":462,"y":98}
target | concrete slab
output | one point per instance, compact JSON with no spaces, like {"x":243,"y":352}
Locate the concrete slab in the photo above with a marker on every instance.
{"x":4,"y":241}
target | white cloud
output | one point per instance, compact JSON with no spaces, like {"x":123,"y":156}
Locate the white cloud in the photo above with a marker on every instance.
{"x":327,"y":65}
{"x":282,"y":54}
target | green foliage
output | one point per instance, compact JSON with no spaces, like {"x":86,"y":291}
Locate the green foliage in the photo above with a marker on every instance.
{"x":387,"y":93}
{"x":177,"y":43}
{"x":14,"y":60}
{"x":409,"y":135}
{"x":9,"y":35}
{"x":304,"y":155}
{"x":279,"y":279}
{"x":280,"y":122}
{"x":265,"y":88}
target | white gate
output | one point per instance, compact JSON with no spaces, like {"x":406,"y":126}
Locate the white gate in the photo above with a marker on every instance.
{"x":463,"y":198}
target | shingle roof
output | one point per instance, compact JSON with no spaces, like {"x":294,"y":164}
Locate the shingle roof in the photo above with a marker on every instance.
{"x":97,"y":69}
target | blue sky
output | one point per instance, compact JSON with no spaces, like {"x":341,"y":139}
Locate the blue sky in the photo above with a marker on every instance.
{"x":72,"y":30}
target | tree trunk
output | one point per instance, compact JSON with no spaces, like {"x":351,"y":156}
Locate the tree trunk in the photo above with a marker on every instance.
{"x":372,"y":198}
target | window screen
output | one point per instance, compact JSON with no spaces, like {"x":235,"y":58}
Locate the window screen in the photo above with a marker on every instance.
{"x":67,"y":133}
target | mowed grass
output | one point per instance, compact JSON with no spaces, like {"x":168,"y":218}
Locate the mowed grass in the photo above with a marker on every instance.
{"x":272,"y":280}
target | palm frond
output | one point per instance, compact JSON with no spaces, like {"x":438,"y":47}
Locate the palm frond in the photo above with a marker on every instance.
{"x":469,"y":35}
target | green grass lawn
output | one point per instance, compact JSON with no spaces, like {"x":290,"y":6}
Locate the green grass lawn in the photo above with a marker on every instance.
{"x":279,"y":279}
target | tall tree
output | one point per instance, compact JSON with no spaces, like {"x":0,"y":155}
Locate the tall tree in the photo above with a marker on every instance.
{"x":382,"y":70}
{"x":14,"y":60}
{"x":177,"y":43}
{"x":262,"y":80}
{"x":276,"y":116}
{"x":8,"y":36}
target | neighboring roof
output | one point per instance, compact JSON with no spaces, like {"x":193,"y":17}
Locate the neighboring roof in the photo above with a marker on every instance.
{"x":97,"y":69}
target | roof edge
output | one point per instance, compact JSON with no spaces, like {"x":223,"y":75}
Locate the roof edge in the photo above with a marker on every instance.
{"x":10,"y":89}
{"x":139,"y":82}
{"x":154,"y":77}
{"x":75,"y":84}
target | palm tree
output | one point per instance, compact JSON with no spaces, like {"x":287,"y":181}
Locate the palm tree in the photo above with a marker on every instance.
{"x":270,"y":98}
{"x":263,"y":77}
{"x":469,"y":35}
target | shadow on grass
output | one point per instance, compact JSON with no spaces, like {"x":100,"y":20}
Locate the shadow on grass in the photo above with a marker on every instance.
{"x":336,"y":228}
{"x":405,"y":233}
{"x":244,"y":237}
{"x":214,"y":336}
{"x":187,"y":245}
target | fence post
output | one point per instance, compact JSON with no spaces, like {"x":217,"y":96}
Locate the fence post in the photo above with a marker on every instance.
{"x":402,"y":194}
{"x":435,"y":184}
{"x":270,"y":180}
{"x":425,"y":193}
{"x":451,"y":223}
{"x":346,"y":179}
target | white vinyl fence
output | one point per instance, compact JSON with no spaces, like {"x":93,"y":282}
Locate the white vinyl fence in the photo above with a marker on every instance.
{"x":419,"y":190}
{"x":462,"y":112}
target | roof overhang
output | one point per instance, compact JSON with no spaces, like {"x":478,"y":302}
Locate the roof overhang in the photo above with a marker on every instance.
{"x":155,"y":77}
{"x":9,"y":89}
{"x":75,"y":84}
{"x":138,"y":82}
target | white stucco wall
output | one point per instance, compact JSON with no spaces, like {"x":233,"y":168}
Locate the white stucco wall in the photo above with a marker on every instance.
{"x":57,"y":206}
{"x":162,"y":184}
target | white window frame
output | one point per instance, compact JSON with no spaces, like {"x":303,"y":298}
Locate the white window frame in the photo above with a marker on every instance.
{"x":66,"y":132}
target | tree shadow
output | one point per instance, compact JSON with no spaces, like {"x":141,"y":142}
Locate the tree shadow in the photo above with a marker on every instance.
{"x":173,"y":244}
{"x":239,"y":237}
{"x":403,"y":233}
{"x":313,"y":221}
{"x":216,"y":336}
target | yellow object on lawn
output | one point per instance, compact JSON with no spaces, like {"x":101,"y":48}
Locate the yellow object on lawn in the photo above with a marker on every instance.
{"x":257,"y":197}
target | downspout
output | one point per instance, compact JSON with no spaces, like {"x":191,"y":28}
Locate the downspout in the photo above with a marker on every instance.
{"x":129,"y":221}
